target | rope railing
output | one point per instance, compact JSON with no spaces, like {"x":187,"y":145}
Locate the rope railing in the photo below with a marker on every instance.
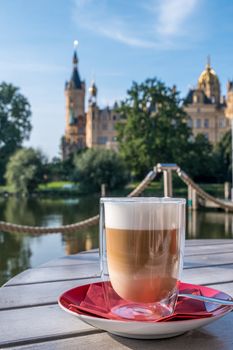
{"x":14,"y":228}
{"x":204,"y":195}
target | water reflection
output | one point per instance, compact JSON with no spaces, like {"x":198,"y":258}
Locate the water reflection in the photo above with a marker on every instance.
{"x":21,"y":251}
{"x":209,"y":224}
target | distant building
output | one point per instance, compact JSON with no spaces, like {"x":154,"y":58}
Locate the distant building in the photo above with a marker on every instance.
{"x":207,"y":108}
{"x":94,"y":128}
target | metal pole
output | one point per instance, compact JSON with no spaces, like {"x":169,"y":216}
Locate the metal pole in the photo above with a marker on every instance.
{"x":167,"y":181}
{"x":232,"y":159}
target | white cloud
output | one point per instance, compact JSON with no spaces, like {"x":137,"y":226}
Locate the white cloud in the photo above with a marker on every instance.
{"x":160,"y":21}
{"x":172,"y":14}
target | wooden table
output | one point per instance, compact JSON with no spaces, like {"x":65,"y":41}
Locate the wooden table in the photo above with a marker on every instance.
{"x":31,"y":319}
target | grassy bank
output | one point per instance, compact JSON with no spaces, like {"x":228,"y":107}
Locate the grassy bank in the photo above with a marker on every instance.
{"x":70,"y":189}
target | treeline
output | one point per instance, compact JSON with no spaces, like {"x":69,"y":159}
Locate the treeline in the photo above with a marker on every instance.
{"x":153,"y":129}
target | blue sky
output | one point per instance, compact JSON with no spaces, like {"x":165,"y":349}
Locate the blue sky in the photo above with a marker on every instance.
{"x":119,"y":41}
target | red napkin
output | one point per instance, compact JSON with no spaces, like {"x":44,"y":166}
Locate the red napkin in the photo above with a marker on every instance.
{"x":90,"y":300}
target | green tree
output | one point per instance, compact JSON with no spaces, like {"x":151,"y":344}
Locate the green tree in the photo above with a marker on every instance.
{"x":15,"y":125}
{"x":223,"y":155}
{"x":95,"y":167}
{"x":199,"y":161}
{"x":25,"y":170}
{"x":153,"y":127}
{"x":58,"y":169}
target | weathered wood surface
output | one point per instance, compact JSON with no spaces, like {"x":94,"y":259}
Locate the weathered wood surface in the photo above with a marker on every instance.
{"x":31,"y":319}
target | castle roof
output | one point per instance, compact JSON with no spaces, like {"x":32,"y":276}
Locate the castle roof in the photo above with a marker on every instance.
{"x":93,"y":89}
{"x":75,"y":81}
{"x":189,"y":97}
{"x":208,"y":76}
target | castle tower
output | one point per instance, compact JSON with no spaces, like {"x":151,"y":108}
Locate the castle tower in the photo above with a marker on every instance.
{"x":75,"y":132}
{"x":92,"y":117}
{"x":229,"y":100}
{"x":209,"y":83}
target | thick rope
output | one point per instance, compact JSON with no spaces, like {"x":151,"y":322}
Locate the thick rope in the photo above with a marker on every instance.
{"x":8,"y":227}
{"x":206,"y":196}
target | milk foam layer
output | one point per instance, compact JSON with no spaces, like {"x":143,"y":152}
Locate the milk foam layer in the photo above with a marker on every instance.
{"x":142,"y":216}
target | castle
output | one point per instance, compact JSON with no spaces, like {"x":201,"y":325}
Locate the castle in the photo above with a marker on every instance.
{"x":92,"y":129}
{"x":208,"y":111}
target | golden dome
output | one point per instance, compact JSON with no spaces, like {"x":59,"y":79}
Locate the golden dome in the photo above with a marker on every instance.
{"x":93,"y":89}
{"x":208,"y":76}
{"x":209,"y":83}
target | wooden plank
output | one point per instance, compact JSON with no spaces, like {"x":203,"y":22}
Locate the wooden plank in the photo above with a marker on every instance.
{"x":216,"y":336}
{"x":208,"y":275}
{"x":12,"y":324}
{"x":60,"y":273}
{"x":44,"y":274}
{"x":209,"y":249}
{"x":47,"y":293}
{"x":72,"y":260}
{"x":203,"y":260}
{"x":38,"y":323}
{"x":36,"y":294}
{"x":201,"y":242}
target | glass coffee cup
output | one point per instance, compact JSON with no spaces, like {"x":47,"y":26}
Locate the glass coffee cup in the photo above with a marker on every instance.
{"x":141,"y":255}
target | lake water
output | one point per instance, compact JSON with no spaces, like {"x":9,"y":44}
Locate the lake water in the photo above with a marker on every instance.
{"x":21,"y":251}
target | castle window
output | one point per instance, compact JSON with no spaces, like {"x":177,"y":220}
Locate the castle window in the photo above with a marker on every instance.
{"x":195,"y":99}
{"x":114,"y":117}
{"x":206,"y":135}
{"x":80,"y":130}
{"x":206,"y":123}
{"x":105,"y":126}
{"x":102,"y":140}
{"x":198,"y":123}
{"x":104,"y":116}
{"x":80,"y":143}
{"x":72,"y":119}
{"x":222,"y":123}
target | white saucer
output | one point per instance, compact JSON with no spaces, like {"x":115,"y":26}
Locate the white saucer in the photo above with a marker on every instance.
{"x":145,"y":330}
{"x":141,"y":329}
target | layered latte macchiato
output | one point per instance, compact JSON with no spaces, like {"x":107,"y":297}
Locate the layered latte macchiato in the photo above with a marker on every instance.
{"x":143,"y":250}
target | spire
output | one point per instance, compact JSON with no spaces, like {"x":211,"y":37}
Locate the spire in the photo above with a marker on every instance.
{"x":75,"y":81}
{"x":93,"y":89}
{"x":93,"y":93}
{"x":208,"y":62}
{"x":75,"y":56}
{"x":75,"y":59}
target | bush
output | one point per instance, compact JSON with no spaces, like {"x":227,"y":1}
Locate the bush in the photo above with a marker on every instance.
{"x":25,"y":170}
{"x":95,"y":167}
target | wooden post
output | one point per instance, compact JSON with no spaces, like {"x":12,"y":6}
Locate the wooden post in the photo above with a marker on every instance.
{"x":227,"y":190}
{"x":226,"y":224}
{"x":194,"y":224}
{"x":167,"y":181}
{"x":194,"y":199}
{"x":103,"y":190}
{"x":190,"y":200}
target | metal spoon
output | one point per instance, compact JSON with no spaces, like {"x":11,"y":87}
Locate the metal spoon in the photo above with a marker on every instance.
{"x":208,"y":299}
